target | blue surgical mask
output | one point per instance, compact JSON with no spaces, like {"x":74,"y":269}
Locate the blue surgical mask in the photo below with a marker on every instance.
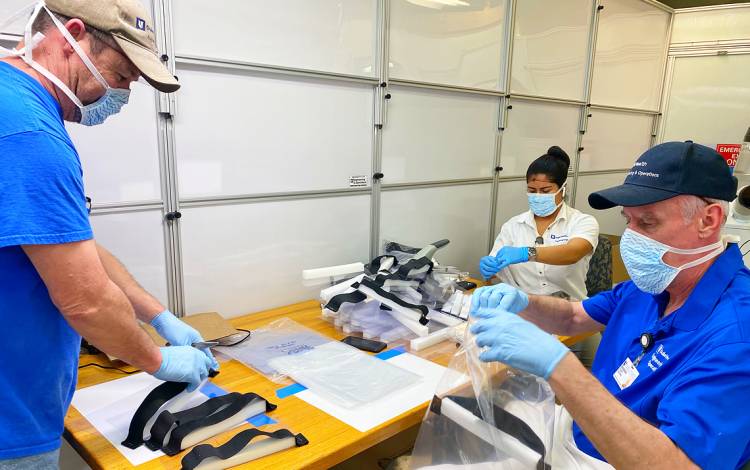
{"x":543,"y":205}
{"x":108,"y":105}
{"x":644,"y":259}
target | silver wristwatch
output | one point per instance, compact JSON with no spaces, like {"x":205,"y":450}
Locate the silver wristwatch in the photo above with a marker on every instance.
{"x":532,"y":253}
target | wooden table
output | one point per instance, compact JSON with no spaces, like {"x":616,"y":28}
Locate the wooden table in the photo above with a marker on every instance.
{"x":331,"y":441}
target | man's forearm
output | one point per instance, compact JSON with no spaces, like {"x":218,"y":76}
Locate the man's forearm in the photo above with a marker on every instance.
{"x":109,"y":324}
{"x":552,"y":314}
{"x":145,"y":305}
{"x":623,"y":438}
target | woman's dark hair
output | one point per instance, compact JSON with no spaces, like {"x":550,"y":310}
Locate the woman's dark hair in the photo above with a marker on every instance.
{"x":554,"y":165}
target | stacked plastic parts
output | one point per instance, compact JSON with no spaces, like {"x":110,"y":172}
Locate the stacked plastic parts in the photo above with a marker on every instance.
{"x":402,"y":294}
{"x":163,"y":422}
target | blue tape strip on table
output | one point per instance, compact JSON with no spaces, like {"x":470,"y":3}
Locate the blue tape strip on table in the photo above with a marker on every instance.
{"x":295,"y":388}
{"x":211,"y":390}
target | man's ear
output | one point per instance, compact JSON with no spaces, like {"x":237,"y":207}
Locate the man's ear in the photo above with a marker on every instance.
{"x":77,"y":29}
{"x":711,"y":221}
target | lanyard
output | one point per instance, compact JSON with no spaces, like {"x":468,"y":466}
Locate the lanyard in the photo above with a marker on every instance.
{"x":647,"y":341}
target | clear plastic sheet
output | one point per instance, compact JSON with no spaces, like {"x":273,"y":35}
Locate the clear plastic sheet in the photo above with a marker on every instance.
{"x":345,"y":375}
{"x":485,"y":415}
{"x":279,"y":338}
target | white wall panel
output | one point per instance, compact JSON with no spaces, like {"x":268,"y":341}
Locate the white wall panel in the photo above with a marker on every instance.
{"x":137,"y":240}
{"x":532,"y":128}
{"x":240,"y":133}
{"x":461,"y":214}
{"x":326,"y":35}
{"x":447,"y":42}
{"x":630,"y":54}
{"x":245,"y":258}
{"x":614,"y":139}
{"x":432,"y":135}
{"x":120,"y":158}
{"x":11,"y":7}
{"x":550,"y":48}
{"x":611,"y":221}
{"x":511,"y":201}
{"x":709,"y":100}
{"x":713,"y":25}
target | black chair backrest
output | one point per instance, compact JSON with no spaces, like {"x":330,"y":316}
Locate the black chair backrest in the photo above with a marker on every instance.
{"x":599,"y":277}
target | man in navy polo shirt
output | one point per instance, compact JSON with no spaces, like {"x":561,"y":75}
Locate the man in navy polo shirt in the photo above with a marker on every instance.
{"x":670,"y":383}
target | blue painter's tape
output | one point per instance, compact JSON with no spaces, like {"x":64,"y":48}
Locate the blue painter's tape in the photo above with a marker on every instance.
{"x":290,"y":390}
{"x":261,"y":420}
{"x":211,"y":390}
{"x":385,"y":355}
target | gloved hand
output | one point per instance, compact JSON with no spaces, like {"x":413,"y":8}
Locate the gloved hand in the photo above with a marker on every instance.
{"x":488,"y":266}
{"x":487,"y":301}
{"x":179,"y":333}
{"x":512,"y":255}
{"x":518,"y":343}
{"x":183,"y":364}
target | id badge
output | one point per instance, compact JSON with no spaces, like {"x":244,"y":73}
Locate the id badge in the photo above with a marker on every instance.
{"x":626,"y":374}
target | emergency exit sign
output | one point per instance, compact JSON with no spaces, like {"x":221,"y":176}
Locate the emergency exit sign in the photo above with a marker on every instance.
{"x":730,"y":152}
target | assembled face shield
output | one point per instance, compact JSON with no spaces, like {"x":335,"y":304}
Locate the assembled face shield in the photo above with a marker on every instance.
{"x":485,"y":415}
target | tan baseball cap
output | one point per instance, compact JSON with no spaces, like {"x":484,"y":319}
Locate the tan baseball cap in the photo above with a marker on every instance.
{"x":131,"y":26}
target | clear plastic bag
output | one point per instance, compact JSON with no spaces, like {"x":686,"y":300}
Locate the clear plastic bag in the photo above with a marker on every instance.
{"x":279,"y":338}
{"x":485,"y":415}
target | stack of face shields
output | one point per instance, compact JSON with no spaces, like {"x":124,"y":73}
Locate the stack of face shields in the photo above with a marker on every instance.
{"x":402,"y":294}
{"x":338,"y":372}
{"x":345,"y":375}
{"x":485,"y":416}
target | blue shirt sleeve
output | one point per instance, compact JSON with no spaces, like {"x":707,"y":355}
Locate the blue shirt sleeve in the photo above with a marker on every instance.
{"x":601,"y":306}
{"x":42,"y":200}
{"x":703,"y":410}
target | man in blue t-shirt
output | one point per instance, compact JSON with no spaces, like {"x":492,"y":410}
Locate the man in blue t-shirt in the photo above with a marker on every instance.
{"x":670,"y":382}
{"x":76,"y":63}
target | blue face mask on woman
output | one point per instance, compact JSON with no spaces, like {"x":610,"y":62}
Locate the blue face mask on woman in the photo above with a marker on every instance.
{"x":543,"y":205}
{"x":644,"y":259}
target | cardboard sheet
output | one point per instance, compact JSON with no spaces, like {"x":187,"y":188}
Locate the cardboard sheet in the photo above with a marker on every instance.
{"x":210,"y":325}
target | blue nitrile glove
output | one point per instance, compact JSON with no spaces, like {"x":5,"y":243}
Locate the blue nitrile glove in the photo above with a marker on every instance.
{"x":488,"y":266}
{"x":486,"y":301}
{"x":518,"y":343}
{"x":179,"y":333}
{"x":508,"y":255}
{"x":183,"y":364}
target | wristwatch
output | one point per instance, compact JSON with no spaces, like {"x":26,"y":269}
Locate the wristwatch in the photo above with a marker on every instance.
{"x":532,"y":253}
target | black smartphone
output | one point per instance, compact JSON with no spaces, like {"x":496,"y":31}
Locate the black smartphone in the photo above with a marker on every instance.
{"x":465,"y":285}
{"x":368,"y":345}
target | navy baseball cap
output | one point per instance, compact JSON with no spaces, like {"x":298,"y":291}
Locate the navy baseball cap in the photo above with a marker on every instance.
{"x":668,"y":170}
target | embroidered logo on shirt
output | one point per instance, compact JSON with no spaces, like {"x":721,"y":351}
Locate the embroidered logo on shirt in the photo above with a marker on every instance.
{"x":559,"y":238}
{"x":658,"y":358}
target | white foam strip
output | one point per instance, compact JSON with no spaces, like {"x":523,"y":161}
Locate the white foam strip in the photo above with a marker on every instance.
{"x":252,"y":451}
{"x":333,"y":271}
{"x":418,"y":344}
{"x":253,"y":408}
{"x":177,"y":403}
